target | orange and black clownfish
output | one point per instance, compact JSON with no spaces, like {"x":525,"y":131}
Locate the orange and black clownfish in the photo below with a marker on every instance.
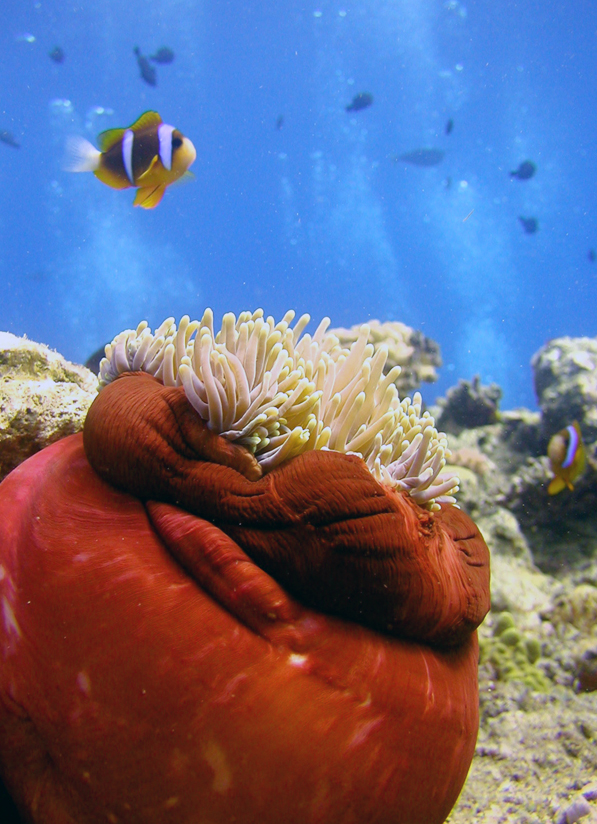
{"x":149,"y":155}
{"x":566,"y":454}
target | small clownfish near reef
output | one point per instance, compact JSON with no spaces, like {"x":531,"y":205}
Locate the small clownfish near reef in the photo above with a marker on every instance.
{"x":149,"y":155}
{"x":566,"y":453}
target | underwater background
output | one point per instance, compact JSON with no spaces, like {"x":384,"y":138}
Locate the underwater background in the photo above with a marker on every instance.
{"x":297,"y":202}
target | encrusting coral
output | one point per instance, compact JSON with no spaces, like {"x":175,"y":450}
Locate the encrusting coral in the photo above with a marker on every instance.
{"x":512,"y":655}
{"x":280,"y":393}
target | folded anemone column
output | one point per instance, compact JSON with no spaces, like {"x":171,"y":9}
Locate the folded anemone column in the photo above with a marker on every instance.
{"x":244,"y":594}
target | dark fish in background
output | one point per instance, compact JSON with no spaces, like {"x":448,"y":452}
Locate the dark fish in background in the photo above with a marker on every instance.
{"x":147,"y":70}
{"x":422,"y":157}
{"x":360,"y":101}
{"x":529,"y":224}
{"x":449,"y":126}
{"x":57,"y":55}
{"x":279,"y":121}
{"x":8,"y":138}
{"x":163,"y":55}
{"x":592,"y":255}
{"x":525,"y":171}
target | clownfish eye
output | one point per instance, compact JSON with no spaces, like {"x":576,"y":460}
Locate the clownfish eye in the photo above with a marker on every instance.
{"x":176,"y":142}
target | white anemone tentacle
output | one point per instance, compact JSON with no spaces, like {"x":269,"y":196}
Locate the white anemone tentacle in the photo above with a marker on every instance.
{"x":279,"y":392}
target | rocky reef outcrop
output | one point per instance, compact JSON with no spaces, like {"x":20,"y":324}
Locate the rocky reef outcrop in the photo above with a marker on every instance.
{"x":43,"y":398}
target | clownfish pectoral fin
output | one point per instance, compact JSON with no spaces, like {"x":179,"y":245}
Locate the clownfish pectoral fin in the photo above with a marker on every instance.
{"x":148,"y":171}
{"x":556,"y":485}
{"x":187,"y":177}
{"x":80,"y":155}
{"x":150,"y":196}
{"x":147,"y":119}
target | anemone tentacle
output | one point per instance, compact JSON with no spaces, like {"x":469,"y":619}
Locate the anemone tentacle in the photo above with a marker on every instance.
{"x":280,"y":392}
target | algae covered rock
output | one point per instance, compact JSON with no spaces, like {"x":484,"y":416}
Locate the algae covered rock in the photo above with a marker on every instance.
{"x":469,"y":404}
{"x":43,"y":397}
{"x":512,"y":654}
{"x":565,"y":376}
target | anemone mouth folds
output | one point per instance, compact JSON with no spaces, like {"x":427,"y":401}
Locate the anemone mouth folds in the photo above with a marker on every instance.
{"x":320,"y":524}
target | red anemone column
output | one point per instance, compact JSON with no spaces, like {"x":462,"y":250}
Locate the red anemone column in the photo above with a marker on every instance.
{"x":184,"y":640}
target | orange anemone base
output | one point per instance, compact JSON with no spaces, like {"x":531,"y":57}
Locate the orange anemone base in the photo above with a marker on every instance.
{"x":151,"y":671}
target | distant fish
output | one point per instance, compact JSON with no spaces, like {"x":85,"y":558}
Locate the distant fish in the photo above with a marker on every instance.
{"x":592,"y":255}
{"x":529,"y":224}
{"x":525,"y":171}
{"x":8,"y":138}
{"x":449,"y":126}
{"x":163,"y":55}
{"x":360,"y":101}
{"x":566,"y":453}
{"x":279,"y":121}
{"x":422,"y":157}
{"x":25,"y":38}
{"x":148,"y":72}
{"x":149,"y":155}
{"x":57,"y":55}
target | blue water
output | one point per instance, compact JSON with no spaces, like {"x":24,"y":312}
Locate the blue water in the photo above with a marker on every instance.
{"x":316,"y":216}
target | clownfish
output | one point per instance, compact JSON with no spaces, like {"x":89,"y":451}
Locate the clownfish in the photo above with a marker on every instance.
{"x":149,"y":155}
{"x":566,"y":453}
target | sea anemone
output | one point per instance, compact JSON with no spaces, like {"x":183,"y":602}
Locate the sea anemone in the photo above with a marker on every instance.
{"x":280,"y":393}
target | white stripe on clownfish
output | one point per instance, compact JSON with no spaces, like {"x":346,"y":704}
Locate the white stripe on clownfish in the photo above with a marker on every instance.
{"x":572,"y":446}
{"x":127,"y":153}
{"x":165,"y":138}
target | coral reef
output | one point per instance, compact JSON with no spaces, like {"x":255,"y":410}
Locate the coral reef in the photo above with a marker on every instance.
{"x":565,"y":375}
{"x":468,"y":405}
{"x":43,"y":397}
{"x":565,"y":379}
{"x":511,"y":654}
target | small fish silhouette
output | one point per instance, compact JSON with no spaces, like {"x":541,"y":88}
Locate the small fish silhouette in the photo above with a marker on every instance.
{"x":525,"y":171}
{"x":360,"y":101}
{"x":163,"y":55}
{"x":57,"y":55}
{"x":147,"y":71}
{"x":422,"y":157}
{"x":9,"y":139}
{"x":529,"y":224}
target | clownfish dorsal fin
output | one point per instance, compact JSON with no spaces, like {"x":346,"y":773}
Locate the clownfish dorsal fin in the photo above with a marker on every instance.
{"x":109,"y":138}
{"x":146,"y":120}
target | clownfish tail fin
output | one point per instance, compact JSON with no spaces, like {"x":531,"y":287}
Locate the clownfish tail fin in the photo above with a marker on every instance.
{"x":80,"y":155}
